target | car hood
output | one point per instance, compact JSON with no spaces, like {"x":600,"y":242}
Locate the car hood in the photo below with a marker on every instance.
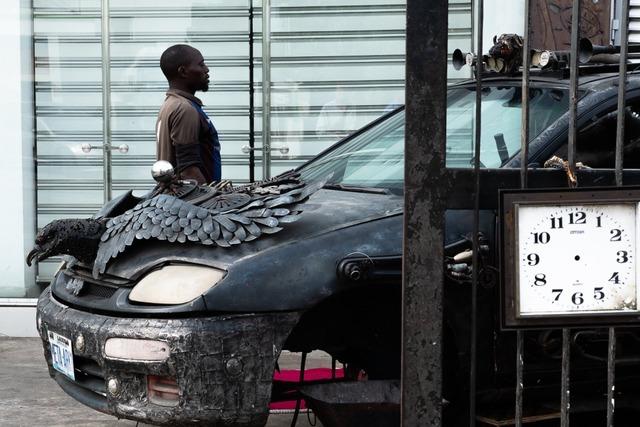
{"x":325,"y":211}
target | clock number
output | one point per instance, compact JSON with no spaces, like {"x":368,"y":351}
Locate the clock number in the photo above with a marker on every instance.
{"x":577,"y":218}
{"x":615,"y":278}
{"x":598,"y":294}
{"x":577,"y":298}
{"x":599,"y":221}
{"x":558,"y":292}
{"x":533,"y":259}
{"x":543,"y":237}
{"x":622,"y":257}
{"x":540,"y":279}
{"x":556,"y":222}
{"x":616,"y":235}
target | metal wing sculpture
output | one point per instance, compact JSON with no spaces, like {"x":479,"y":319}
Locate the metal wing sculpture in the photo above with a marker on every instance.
{"x":182,"y":211}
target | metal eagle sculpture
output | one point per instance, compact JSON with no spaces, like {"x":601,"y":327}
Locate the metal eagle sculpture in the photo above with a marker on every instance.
{"x":178,"y":211}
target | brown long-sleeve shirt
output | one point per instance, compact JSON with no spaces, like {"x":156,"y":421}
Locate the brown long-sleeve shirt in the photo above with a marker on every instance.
{"x":179,"y":122}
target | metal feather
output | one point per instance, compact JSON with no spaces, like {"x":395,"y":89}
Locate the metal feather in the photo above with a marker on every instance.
{"x":225,"y":222}
{"x":253,"y":229}
{"x":269,"y":222}
{"x":269,"y":230}
{"x":288,"y":219}
{"x":226,"y":234}
{"x":240,"y":234}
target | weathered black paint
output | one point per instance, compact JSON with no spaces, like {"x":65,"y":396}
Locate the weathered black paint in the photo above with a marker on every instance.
{"x":200,"y":348}
{"x":426,"y":92}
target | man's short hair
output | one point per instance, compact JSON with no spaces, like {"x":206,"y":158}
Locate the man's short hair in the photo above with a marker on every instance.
{"x":173,"y":57}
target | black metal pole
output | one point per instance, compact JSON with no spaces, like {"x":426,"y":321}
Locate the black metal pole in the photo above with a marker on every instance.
{"x":565,"y":400}
{"x":622,"y":91}
{"x":252,"y":111}
{"x":573,"y":85}
{"x":566,"y":365}
{"x":424,"y":201}
{"x":524,"y":162}
{"x":622,"y":86}
{"x":476,"y":216}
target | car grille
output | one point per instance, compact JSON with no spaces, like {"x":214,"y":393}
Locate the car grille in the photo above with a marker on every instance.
{"x":84,"y":272}
{"x":88,"y":375}
{"x":97,"y":290}
{"x":83,"y":284}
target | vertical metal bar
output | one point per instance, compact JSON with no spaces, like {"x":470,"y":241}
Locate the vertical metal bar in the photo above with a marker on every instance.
{"x":252,"y":108}
{"x":425,"y":202}
{"x":611,"y":377}
{"x":573,"y":89}
{"x":266,"y":89}
{"x":524,"y":162}
{"x":303,"y":362}
{"x":106,"y":100}
{"x":622,"y":86}
{"x":333,"y":368}
{"x":622,"y":91}
{"x":565,"y":400}
{"x":476,"y":217}
{"x":519,"y":376}
{"x":524,"y":130}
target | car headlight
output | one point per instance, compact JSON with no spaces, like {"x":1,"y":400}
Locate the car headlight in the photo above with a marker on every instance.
{"x":175,"y":284}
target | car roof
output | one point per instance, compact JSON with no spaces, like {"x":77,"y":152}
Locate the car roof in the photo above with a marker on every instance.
{"x":591,"y":78}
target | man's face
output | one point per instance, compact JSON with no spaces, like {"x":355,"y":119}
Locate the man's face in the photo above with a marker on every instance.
{"x":196,"y":73}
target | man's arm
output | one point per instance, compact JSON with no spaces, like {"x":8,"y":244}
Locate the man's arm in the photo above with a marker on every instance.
{"x":184,"y":128}
{"x":193,"y":172}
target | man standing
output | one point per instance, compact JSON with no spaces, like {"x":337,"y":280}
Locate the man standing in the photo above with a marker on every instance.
{"x":185,"y":135}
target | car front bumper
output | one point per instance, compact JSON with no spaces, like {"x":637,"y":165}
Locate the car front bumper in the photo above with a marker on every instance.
{"x":223,"y":365}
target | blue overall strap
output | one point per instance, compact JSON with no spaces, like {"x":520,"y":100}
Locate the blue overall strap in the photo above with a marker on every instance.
{"x":217,"y":160}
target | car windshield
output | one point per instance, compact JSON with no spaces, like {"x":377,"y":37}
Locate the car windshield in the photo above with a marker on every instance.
{"x":501,"y":117}
{"x":375,"y":157}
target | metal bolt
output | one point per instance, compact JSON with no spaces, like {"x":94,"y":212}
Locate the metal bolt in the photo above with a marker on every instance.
{"x":233,"y":367}
{"x":112,"y":386}
{"x":86,"y":148}
{"x":284,"y":150}
{"x":353,"y":271}
{"x":80,"y":342}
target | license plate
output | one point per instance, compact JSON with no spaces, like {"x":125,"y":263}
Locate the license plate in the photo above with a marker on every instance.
{"x":61,"y":354}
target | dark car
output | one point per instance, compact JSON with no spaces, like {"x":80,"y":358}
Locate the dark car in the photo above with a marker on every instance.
{"x":179,"y":333}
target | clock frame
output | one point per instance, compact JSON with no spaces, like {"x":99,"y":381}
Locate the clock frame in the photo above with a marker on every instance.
{"x":622,"y":206}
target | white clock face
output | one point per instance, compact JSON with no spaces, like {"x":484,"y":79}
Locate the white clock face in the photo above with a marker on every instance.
{"x":576,"y":258}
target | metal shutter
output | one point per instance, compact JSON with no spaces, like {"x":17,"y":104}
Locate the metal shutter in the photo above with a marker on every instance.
{"x":337,"y":65}
{"x":634,"y":21}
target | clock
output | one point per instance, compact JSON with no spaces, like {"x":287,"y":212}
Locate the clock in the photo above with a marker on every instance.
{"x":570,"y":257}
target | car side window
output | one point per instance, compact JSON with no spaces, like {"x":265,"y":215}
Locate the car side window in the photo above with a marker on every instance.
{"x":596,"y":141}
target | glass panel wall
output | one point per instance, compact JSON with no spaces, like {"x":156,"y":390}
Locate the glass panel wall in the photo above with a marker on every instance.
{"x":17,"y":215}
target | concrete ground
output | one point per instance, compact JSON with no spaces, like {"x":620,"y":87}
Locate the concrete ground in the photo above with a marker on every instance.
{"x":30,"y":398}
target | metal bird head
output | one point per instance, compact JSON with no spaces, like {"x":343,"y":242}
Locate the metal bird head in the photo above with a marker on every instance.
{"x":77,"y":237}
{"x":505,"y":56}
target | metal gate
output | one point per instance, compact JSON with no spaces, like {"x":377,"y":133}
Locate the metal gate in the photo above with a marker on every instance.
{"x":424,"y":335}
